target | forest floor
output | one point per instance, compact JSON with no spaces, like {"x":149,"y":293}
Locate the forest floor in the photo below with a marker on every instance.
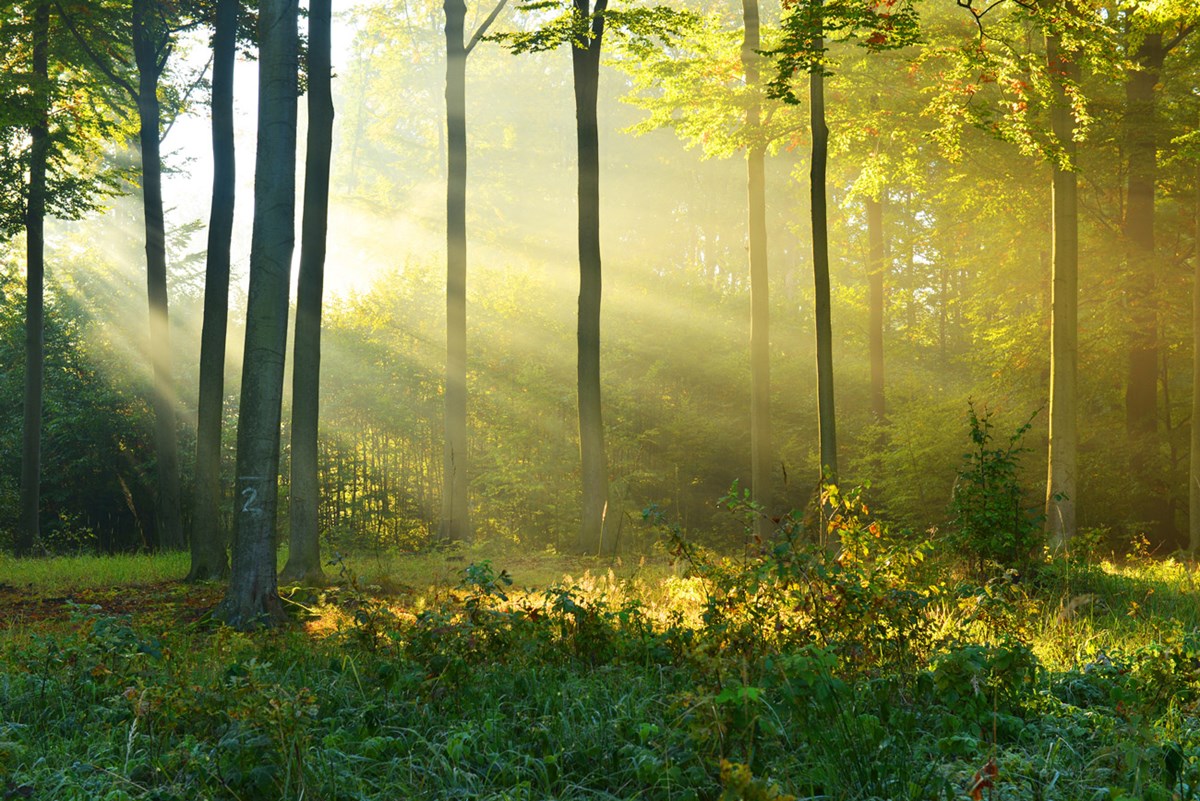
{"x":515,"y":676}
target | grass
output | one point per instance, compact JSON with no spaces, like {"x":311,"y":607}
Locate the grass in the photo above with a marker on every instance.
{"x":586,"y":679}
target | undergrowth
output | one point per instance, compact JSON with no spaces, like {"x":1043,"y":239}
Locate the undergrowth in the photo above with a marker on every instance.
{"x":782,"y":672}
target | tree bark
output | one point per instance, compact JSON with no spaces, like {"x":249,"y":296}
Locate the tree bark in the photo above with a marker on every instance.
{"x":455,"y":525}
{"x":304,"y":552}
{"x":149,"y":53}
{"x":35,"y":272}
{"x":1194,"y":464}
{"x":820,"y":234}
{"x":761,"y":459}
{"x":1141,"y":392}
{"x":876,"y":267}
{"x":585,"y":63}
{"x":1064,"y":335}
{"x":208,"y":541}
{"x":252,"y":598}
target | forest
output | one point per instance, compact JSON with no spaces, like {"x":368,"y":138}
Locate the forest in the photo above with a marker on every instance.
{"x":600,"y":399}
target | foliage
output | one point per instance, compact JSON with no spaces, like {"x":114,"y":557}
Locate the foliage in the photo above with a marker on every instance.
{"x":591,"y":688}
{"x":992,"y":523}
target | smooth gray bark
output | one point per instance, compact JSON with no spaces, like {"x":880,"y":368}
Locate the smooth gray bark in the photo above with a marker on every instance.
{"x":456,"y":524}
{"x":208,"y":541}
{"x":820,"y":234}
{"x":252,"y":598}
{"x":761,"y":459}
{"x":585,"y":63}
{"x":151,"y":48}
{"x":1064,"y":333}
{"x":35,"y":250}
{"x":304,"y":545}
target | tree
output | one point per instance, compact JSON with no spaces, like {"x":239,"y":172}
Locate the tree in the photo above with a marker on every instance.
{"x":1064,"y":326}
{"x":456,"y":523}
{"x":52,"y":165}
{"x":761,"y":459}
{"x":252,"y":598}
{"x":582,"y":26}
{"x":35,"y":271}
{"x":1150,"y":48}
{"x":209,"y":560}
{"x":304,"y":554}
{"x":892,"y":25}
{"x":152,"y":28}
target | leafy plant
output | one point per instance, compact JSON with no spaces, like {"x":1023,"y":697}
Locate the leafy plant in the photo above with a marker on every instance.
{"x":992,"y":524}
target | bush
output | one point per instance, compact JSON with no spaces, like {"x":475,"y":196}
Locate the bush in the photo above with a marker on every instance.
{"x":992,"y":524}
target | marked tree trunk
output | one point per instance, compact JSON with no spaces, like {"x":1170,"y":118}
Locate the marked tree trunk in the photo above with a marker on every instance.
{"x":209,"y":560}
{"x":1064,"y":334}
{"x":761,"y":459}
{"x":35,"y":243}
{"x":252,"y":598}
{"x":585,"y":62}
{"x":304,"y":551}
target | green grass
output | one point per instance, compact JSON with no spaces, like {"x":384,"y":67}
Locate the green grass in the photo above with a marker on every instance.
{"x":1081,"y":683}
{"x":66,"y":573}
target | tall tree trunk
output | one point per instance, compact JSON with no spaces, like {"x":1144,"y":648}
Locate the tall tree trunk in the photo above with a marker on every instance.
{"x":35,"y":274}
{"x":252,"y":598}
{"x":876,"y":267}
{"x":820,"y":234}
{"x":209,"y":560}
{"x":455,"y":525}
{"x":304,"y":551}
{"x":1064,"y":334}
{"x":761,"y":459}
{"x":586,"y":72}
{"x":1141,"y":417}
{"x":149,"y":55}
{"x":1194,"y":464}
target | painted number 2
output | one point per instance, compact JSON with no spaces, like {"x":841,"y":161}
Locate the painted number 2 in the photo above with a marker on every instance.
{"x":251,"y":504}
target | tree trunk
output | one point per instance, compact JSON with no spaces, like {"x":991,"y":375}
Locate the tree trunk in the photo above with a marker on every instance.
{"x":586,"y":72}
{"x":876,"y":267}
{"x":820,"y":234}
{"x":455,"y":524}
{"x":35,"y":243}
{"x":761,"y":460}
{"x":1194,"y":464}
{"x":209,"y":559}
{"x":1141,"y":419}
{"x":304,"y":551}
{"x":252,"y":598}
{"x":148,"y":54}
{"x":1064,"y":335}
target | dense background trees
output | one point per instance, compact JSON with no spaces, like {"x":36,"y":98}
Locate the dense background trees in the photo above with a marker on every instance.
{"x":940,"y":256}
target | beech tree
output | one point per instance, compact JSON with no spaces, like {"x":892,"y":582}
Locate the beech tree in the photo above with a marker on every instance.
{"x":806,"y":25}
{"x":456,"y":523}
{"x":581,"y":25}
{"x":252,"y":597}
{"x":52,"y":165}
{"x":209,"y":560}
{"x":1153,"y":32}
{"x":105,"y":31}
{"x":304,"y":546}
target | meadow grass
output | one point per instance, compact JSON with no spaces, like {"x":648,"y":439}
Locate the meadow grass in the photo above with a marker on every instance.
{"x":414,"y":677}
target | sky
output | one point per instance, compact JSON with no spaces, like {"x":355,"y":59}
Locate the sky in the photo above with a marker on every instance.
{"x":188,"y":149}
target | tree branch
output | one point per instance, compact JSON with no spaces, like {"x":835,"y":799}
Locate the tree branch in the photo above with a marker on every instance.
{"x":99,"y":62}
{"x":483,"y":26}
